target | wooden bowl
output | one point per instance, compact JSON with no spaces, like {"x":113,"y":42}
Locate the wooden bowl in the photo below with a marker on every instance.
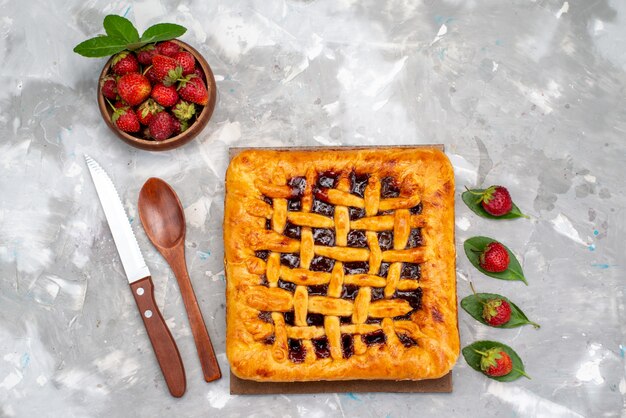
{"x":176,"y":141}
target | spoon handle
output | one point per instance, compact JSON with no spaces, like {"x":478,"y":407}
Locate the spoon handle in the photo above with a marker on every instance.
{"x":210,"y":368}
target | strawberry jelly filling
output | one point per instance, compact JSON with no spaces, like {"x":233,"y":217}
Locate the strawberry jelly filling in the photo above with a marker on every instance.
{"x":389,"y":188}
{"x":358,"y":182}
{"x":356,"y":267}
{"x":327,"y":180}
{"x":347,"y":345}
{"x":292,"y":231}
{"x":415,"y":238}
{"x":406,"y":340}
{"x":291,"y":260}
{"x":322,"y":208}
{"x":321,"y":347}
{"x":323,"y":264}
{"x":297,"y":352}
{"x":323,"y":236}
{"x":357,"y":239}
{"x":373,"y":338}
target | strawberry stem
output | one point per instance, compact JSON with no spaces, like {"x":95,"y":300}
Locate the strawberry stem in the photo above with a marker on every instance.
{"x":482,"y":353}
{"x":473,"y":192}
{"x":110,"y":104}
{"x":475,"y":295}
{"x":147,"y":69}
{"x":534,"y":324}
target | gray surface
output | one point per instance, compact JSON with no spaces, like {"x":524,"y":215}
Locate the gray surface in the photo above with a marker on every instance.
{"x":529,"y":94}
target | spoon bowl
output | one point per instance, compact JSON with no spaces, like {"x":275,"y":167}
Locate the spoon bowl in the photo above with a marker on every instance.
{"x":161,"y":213}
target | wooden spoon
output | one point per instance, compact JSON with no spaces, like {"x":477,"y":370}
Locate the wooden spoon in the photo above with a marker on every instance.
{"x":163,"y":219}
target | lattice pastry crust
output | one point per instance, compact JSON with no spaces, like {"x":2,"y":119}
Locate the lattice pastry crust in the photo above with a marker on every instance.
{"x":340,"y":265}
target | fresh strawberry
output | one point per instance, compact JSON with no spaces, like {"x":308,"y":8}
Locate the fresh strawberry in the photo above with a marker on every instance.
{"x":125,"y":119}
{"x":145,"y":54}
{"x":164,"y":95}
{"x":494,"y":258}
{"x":192,"y":89}
{"x":168,"y":48}
{"x":146,"y":110}
{"x":166,"y":69}
{"x":125,"y":63}
{"x":109,"y":88}
{"x":495,"y":362}
{"x":184,"y":110}
{"x":186,"y":61}
{"x":496,"y":312}
{"x":161,"y":126}
{"x":133,"y":88}
{"x":496,"y":201}
{"x":180,"y":126}
{"x":199,"y":73}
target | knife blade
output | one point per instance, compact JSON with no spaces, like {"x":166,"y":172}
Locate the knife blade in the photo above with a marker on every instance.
{"x":140,"y":281}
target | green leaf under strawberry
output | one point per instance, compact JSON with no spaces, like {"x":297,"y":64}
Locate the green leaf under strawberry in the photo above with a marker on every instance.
{"x":474,"y":305}
{"x":475,"y":353}
{"x":476,"y":245}
{"x":475,"y":204}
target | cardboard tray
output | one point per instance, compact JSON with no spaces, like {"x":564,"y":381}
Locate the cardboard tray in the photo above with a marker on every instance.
{"x":248,"y":387}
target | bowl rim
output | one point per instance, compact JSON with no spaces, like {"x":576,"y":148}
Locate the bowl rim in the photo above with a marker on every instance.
{"x":175,"y":141}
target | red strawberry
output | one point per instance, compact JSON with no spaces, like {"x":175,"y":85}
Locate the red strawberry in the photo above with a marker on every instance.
{"x":198,"y":72}
{"x":192,"y":89}
{"x":186,"y":61}
{"x":145,"y":54}
{"x":496,"y":201}
{"x":151,"y":75}
{"x":494,"y":258}
{"x":161,"y":126}
{"x":180,"y":126}
{"x":164,"y":95}
{"x":125,"y":63}
{"x":119,"y":104}
{"x":109,"y":88}
{"x":133,"y":88}
{"x":167,"y":48}
{"x":495,"y":362}
{"x":125,"y":119}
{"x":146,"y":110}
{"x":166,"y":69}
{"x":496,"y":312}
{"x":184,"y":110}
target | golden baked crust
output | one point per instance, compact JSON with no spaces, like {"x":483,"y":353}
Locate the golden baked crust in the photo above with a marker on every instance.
{"x":365,"y":313}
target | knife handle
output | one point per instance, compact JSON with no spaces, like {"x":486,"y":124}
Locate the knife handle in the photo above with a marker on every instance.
{"x":162,"y":341}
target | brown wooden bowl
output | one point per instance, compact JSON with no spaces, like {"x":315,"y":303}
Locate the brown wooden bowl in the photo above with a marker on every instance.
{"x":176,"y":141}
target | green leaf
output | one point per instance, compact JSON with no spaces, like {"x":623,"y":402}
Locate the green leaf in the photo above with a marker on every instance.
{"x":475,"y":245}
{"x":471,"y":200}
{"x":473,"y":359}
{"x":473,"y":305}
{"x":100,"y":46}
{"x":121,"y":28}
{"x":162,"y":32}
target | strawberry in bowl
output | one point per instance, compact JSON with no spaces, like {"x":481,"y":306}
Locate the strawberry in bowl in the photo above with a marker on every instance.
{"x":147,"y":75}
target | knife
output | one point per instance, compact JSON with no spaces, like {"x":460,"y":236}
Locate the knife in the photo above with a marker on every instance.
{"x":140,"y":281}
